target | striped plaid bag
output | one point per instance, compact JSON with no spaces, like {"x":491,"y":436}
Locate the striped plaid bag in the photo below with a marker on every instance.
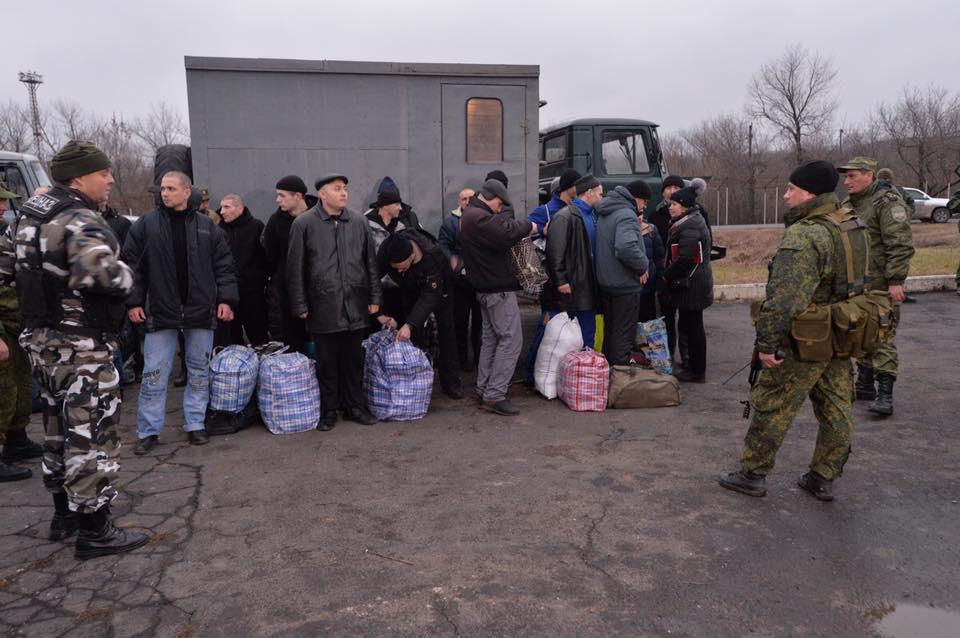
{"x":584,"y":381}
{"x":397,"y":378}
{"x":288,"y":393}
{"x":233,"y":378}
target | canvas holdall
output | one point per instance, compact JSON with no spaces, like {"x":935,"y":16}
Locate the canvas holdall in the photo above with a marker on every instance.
{"x":636,"y":387}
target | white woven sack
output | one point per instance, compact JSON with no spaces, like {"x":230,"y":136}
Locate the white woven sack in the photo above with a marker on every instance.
{"x":562,"y":335}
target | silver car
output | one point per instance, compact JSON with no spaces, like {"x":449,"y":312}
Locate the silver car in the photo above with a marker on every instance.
{"x":928,"y":209}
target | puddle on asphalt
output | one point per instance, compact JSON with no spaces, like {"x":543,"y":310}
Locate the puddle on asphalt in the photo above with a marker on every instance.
{"x":915,"y":621}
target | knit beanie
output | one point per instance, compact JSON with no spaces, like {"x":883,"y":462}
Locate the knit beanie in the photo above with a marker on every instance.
{"x":77,"y":158}
{"x":400,"y":249}
{"x":498,"y":175}
{"x":639,"y":189}
{"x":673,"y":180}
{"x":585,"y":183}
{"x":817,"y":177}
{"x":292,"y":184}
{"x":568,"y":178}
{"x":685,"y":197}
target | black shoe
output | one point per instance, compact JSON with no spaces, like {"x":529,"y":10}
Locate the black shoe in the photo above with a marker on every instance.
{"x":745,"y":483}
{"x":13,"y":472}
{"x":453,"y":393}
{"x":327,"y":421}
{"x":883,"y":404}
{"x":866,"y":387}
{"x":63,"y":526}
{"x":503,"y":408}
{"x":18,"y":447}
{"x":146,"y":444}
{"x":198,"y":437}
{"x":685,"y":376}
{"x":817,"y":485}
{"x":98,"y":537}
{"x":359,"y":415}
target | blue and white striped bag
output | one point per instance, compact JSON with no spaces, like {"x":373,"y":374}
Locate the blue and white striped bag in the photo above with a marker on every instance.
{"x":288,"y":393}
{"x":233,"y":378}
{"x":397,"y":378}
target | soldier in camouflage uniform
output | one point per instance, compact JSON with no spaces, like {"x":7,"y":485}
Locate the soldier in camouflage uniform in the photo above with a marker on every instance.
{"x":16,"y":385}
{"x":806,"y":269}
{"x":891,"y":247}
{"x":71,"y":286}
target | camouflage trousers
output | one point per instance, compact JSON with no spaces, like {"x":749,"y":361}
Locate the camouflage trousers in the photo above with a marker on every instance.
{"x":81,"y":389}
{"x":777,"y":397}
{"x":16,"y":391}
{"x":885,"y":360}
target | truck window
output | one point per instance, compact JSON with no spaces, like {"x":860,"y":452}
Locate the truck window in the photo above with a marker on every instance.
{"x":484,"y":130}
{"x":40,"y":173}
{"x":14,"y":180}
{"x":624,"y":153}
{"x":555,"y":148}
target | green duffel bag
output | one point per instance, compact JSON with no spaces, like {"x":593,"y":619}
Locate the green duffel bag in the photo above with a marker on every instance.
{"x":636,"y":387}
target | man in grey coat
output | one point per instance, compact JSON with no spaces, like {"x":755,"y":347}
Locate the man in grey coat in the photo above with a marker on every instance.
{"x":621,"y":264}
{"x":334,"y":285}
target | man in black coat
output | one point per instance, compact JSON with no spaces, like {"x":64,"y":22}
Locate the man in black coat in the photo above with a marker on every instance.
{"x":184,"y":279}
{"x":243,"y":232}
{"x":416,"y":264}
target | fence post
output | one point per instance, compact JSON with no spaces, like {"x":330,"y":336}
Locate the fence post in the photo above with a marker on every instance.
{"x":776,"y":203}
{"x":764,"y":205}
{"x":726,"y":205}
{"x":718,"y":207}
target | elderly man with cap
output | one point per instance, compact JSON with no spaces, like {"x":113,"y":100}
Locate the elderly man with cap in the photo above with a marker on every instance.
{"x":500,"y":176}
{"x":466,"y":308}
{"x":334,"y":284}
{"x":621,"y":264}
{"x":418,"y":268}
{"x":71,"y":286}
{"x":809,"y":267}
{"x":292,"y":202}
{"x":887,"y":218}
{"x":16,"y":383}
{"x":486,"y":238}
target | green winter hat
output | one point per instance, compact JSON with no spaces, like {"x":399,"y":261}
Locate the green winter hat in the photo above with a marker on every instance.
{"x":77,"y":158}
{"x":859,"y":164}
{"x":5,"y":194}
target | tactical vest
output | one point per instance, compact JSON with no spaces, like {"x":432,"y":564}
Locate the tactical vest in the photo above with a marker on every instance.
{"x":859,"y":322}
{"x":41,"y":292}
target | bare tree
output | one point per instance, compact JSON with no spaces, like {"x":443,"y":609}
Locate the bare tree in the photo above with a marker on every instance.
{"x":161,"y":126}
{"x":794,"y":95}
{"x":66,"y":121}
{"x":16,"y":134}
{"x":924,"y":128}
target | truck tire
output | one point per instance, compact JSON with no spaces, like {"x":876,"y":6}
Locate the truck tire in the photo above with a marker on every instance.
{"x":940,"y":215}
{"x":172,"y":157}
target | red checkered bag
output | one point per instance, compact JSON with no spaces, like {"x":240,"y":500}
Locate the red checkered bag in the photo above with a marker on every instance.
{"x":584,"y":381}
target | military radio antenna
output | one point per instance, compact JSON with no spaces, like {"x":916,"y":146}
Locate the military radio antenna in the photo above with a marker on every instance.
{"x":32,"y":80}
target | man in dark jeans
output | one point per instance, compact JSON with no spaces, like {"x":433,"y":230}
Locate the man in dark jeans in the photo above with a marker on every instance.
{"x":416,"y":264}
{"x":466,"y":308}
{"x":334,"y":284}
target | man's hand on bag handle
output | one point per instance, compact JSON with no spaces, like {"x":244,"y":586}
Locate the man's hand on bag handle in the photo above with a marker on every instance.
{"x":389,"y":322}
{"x":564,"y":289}
{"x":224,"y":312}
{"x":533,"y":229}
{"x":137,"y":315}
{"x":404,"y":333}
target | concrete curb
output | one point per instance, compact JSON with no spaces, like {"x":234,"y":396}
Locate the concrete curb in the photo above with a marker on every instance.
{"x":749,"y":292}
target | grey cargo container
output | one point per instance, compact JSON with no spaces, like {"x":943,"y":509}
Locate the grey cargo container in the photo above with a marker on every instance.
{"x":433,"y":128}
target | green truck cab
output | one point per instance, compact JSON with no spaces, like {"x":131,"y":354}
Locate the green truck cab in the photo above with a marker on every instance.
{"x":616,"y":151}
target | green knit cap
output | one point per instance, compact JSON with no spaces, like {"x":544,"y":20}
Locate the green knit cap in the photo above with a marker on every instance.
{"x":76,"y":158}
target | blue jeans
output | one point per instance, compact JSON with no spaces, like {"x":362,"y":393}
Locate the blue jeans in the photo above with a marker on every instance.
{"x":588,"y":327}
{"x":159,"y":351}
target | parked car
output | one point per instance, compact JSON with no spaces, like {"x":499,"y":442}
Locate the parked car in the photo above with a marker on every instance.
{"x":928,"y":209}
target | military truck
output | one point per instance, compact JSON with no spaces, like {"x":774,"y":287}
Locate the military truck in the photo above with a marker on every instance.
{"x":616,"y":151}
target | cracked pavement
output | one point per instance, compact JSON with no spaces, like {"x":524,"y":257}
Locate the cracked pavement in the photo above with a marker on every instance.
{"x":551,"y":523}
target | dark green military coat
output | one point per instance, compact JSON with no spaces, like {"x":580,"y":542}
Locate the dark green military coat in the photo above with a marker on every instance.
{"x":887,"y":218}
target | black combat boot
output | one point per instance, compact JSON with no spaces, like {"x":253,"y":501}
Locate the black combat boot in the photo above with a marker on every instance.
{"x":19,"y":447}
{"x":98,"y":536}
{"x":13,"y":472}
{"x":883,"y":405}
{"x":65,"y":523}
{"x":745,"y":483}
{"x":866,"y":390}
{"x":817,"y":485}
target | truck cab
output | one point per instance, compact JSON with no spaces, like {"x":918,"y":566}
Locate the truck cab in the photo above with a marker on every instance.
{"x":22,"y":173}
{"x":616,"y":151}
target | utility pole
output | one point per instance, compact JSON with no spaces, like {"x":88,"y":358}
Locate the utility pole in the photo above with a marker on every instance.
{"x":32,"y":80}
{"x":841,"y":145}
{"x":753,"y":176}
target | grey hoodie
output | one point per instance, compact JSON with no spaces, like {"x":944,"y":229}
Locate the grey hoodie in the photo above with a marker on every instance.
{"x":620,"y":259}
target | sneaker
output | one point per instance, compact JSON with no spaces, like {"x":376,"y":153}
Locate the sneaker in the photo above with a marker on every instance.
{"x":359,"y":415}
{"x":146,"y":444}
{"x":745,"y":483}
{"x":503,"y":407}
{"x":817,"y":485}
{"x":198,"y":437}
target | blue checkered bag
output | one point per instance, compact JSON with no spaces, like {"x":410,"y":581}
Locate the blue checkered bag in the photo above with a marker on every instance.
{"x":397,"y":378}
{"x":288,"y":393}
{"x":233,"y":378}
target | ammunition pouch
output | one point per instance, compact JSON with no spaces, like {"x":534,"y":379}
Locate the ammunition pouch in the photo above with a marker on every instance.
{"x":811,"y":332}
{"x":854,"y":327}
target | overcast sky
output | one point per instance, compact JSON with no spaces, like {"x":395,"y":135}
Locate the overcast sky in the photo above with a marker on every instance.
{"x":675,"y":63}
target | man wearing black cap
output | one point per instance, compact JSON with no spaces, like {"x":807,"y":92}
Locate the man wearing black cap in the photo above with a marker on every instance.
{"x":808,"y":268}
{"x":500,"y":176}
{"x":418,"y":268}
{"x":334,"y":284}
{"x":71,"y":285}
{"x":466,"y":308}
{"x":486,"y":238}
{"x":660,"y":217}
{"x":292,"y":201}
{"x":559,"y":199}
{"x":383,"y":218}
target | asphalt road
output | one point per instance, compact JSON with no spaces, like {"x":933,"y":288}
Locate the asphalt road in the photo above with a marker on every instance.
{"x":550,"y":524}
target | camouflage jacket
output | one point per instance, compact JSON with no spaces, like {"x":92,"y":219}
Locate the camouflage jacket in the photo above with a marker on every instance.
{"x":78,"y":251}
{"x":9,"y":308}
{"x":891,"y":240}
{"x":802,"y":271}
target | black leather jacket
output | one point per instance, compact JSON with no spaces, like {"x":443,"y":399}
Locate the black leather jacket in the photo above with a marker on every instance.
{"x":569,"y":261}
